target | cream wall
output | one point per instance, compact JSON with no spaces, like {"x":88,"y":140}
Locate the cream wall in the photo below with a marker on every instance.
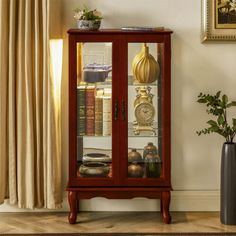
{"x":195,"y":67}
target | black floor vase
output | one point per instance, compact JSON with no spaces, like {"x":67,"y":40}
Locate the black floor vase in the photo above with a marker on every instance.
{"x":228,"y":184}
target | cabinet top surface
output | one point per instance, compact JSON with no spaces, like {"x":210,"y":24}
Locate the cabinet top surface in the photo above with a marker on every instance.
{"x":119,"y":31}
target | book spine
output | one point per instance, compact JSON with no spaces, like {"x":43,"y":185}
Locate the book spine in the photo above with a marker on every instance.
{"x":107,"y":126}
{"x":81,"y":111}
{"x":90,"y":111}
{"x":98,"y":116}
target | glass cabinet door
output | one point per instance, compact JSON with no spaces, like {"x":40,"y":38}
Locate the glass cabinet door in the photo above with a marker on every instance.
{"x":94,"y":110}
{"x":144,"y":111}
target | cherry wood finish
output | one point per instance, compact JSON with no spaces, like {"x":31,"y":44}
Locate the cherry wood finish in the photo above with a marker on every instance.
{"x":165,"y":201}
{"x":119,"y":186}
{"x":73,"y":40}
{"x":73,"y":202}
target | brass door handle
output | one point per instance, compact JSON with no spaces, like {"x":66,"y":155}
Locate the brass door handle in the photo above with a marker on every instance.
{"x":123,"y":110}
{"x":116,"y":111}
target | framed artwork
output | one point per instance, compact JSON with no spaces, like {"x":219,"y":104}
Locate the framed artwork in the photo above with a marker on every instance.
{"x":218,"y":20}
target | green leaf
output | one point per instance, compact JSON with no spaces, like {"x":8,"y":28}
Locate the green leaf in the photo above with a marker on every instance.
{"x":232,"y":104}
{"x":200,"y":94}
{"x":218,"y":112}
{"x":214,"y":128}
{"x":201,"y":100}
{"x":225,"y":99}
{"x":217,"y":105}
{"x":220,"y":120}
{"x":234,"y":122}
{"x":218,"y":94}
{"x":212,"y":123}
{"x":222,"y":104}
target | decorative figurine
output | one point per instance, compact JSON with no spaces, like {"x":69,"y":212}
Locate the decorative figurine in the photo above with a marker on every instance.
{"x":150,"y":148}
{"x":144,"y":111}
{"x":134,"y":156}
{"x":152,"y":165}
{"x":135,"y":171}
{"x":145,"y":68}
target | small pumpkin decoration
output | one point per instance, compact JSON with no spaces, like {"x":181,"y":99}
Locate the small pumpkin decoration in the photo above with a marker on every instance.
{"x":145,"y":68}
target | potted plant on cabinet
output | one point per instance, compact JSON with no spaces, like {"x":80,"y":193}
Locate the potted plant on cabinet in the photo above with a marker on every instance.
{"x":218,"y":106}
{"x":88,"y":19}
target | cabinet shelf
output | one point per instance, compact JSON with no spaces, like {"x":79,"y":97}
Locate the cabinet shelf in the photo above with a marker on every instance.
{"x":131,"y":133}
{"x":94,"y":136}
{"x":108,"y":83}
{"x":143,"y":134}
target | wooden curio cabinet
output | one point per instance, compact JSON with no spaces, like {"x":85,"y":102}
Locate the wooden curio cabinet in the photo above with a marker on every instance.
{"x":119,"y":116}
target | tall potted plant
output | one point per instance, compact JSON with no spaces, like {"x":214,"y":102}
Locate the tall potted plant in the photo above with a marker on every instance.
{"x":218,"y":105}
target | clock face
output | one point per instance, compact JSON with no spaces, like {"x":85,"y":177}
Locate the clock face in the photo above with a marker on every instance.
{"x":144,"y":113}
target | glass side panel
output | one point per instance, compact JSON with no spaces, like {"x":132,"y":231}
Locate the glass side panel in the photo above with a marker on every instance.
{"x":94,"y":110}
{"x":144,"y":111}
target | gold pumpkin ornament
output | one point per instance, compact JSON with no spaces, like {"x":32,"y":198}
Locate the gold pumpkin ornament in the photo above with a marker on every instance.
{"x":145,"y":68}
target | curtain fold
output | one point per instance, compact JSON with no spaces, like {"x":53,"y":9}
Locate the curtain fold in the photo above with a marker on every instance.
{"x":30,"y":156}
{"x":3,"y":99}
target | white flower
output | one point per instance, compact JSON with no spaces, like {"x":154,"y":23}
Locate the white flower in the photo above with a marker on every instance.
{"x":87,"y":14}
{"x":97,"y":13}
{"x":78,"y":15}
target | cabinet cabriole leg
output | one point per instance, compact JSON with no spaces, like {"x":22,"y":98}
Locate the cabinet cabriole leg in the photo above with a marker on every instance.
{"x":73,"y":202}
{"x":161,"y":208}
{"x":77,"y":205}
{"x":165,"y":207}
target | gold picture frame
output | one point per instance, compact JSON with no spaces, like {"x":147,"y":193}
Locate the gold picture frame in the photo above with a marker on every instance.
{"x":218,"y":20}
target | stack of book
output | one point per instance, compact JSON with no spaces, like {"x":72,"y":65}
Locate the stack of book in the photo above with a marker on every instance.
{"x":94,"y":111}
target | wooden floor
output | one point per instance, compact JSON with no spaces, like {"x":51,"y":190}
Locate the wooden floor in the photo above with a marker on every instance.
{"x":111,"y":222}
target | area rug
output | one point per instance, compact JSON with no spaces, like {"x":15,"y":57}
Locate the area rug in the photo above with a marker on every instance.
{"x":127,"y":234}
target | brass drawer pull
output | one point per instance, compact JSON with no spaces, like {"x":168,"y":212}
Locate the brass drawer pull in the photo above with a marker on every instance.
{"x":116,"y":110}
{"x":123,"y":110}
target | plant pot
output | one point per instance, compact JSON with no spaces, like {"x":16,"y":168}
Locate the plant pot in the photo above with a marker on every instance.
{"x":228,"y":184}
{"x":88,"y":24}
{"x":135,"y":171}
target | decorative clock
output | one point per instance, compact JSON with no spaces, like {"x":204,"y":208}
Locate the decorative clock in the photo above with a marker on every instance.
{"x":144,"y":110}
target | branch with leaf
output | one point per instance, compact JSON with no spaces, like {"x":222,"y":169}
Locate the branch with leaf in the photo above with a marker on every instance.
{"x":217,"y":105}
{"x":87,"y":14}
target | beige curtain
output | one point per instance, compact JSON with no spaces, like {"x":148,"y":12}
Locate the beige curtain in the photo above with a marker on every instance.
{"x":30,"y":156}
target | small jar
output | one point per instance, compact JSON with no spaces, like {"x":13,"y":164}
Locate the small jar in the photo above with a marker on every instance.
{"x":150,"y":148}
{"x":134,"y":156}
{"x":135,"y":171}
{"x":152,"y":165}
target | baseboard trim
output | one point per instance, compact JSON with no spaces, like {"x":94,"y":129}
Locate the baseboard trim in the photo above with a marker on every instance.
{"x":195,"y":201}
{"x":180,"y":201}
